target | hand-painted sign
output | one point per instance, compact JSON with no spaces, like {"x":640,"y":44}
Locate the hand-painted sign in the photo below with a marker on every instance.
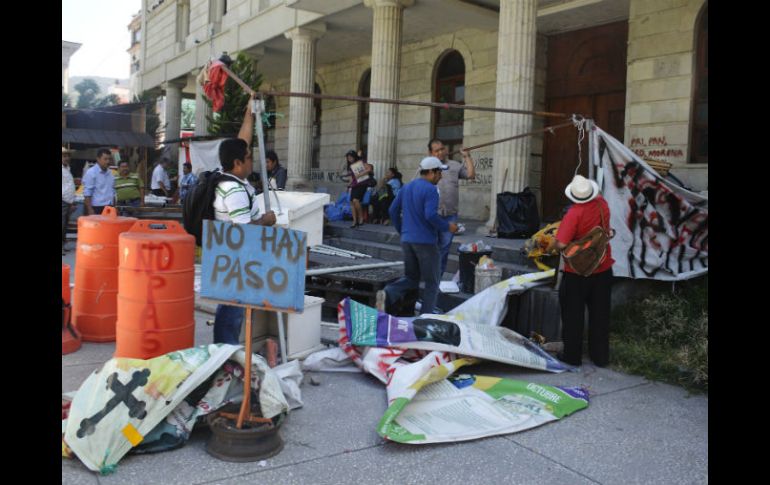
{"x":254,"y":265}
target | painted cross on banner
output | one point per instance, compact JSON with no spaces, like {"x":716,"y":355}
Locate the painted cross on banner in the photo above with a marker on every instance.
{"x":254,"y":265}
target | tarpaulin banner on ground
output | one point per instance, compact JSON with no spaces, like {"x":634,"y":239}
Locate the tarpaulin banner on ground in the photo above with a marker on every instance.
{"x":428,"y":404}
{"x":425,"y":407}
{"x":365,"y":326}
{"x":661,"y":228}
{"x":125,"y":403}
{"x":490,"y":306}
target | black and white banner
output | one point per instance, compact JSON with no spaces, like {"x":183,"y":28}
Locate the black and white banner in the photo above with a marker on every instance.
{"x":661,"y":228}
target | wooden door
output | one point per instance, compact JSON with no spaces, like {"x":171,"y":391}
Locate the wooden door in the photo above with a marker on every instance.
{"x":586,"y":76}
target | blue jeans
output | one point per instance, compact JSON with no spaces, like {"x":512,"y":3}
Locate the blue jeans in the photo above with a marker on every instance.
{"x":421,"y":263}
{"x":227,"y":324}
{"x":444,"y":243}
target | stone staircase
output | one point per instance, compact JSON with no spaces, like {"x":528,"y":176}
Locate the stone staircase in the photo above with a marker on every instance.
{"x":537,"y":310}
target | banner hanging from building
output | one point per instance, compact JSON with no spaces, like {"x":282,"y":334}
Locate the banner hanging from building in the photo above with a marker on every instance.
{"x":661,"y":228}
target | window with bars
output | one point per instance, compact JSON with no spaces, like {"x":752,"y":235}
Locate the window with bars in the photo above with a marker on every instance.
{"x":449,"y":88}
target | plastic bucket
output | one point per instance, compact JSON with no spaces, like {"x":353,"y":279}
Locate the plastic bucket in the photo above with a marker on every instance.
{"x":484,"y":278}
{"x":468,"y":262}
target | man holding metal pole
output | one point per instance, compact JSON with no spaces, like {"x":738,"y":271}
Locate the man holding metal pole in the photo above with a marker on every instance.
{"x":449,"y":192}
{"x":235,"y":202}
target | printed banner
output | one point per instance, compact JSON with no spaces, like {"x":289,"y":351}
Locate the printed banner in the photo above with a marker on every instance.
{"x":433,"y":406}
{"x":661,"y":228}
{"x":367,"y":327}
{"x":426,"y":404}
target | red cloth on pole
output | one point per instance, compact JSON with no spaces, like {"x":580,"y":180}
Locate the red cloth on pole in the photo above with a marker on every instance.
{"x":215,"y":87}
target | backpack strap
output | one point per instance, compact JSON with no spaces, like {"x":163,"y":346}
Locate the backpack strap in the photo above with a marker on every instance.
{"x":226,"y":176}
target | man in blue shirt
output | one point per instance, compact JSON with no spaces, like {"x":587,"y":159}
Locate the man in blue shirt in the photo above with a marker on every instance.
{"x":188,"y":181}
{"x":415,"y":216}
{"x":99,"y":184}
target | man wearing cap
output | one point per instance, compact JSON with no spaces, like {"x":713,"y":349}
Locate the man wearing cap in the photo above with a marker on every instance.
{"x":129,"y":188}
{"x":99,"y":184}
{"x":67,"y":195}
{"x":449,"y":191}
{"x":576,"y":291}
{"x":415,"y":216}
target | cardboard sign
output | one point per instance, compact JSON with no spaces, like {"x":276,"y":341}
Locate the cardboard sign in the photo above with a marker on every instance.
{"x":254,"y":265}
{"x":359,"y":170}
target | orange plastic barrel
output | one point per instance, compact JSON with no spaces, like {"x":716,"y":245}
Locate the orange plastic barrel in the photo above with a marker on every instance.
{"x":94,"y":305}
{"x":156,"y":301}
{"x":65,"y":283}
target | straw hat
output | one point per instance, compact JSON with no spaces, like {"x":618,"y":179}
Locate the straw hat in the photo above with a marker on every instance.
{"x":581,"y":190}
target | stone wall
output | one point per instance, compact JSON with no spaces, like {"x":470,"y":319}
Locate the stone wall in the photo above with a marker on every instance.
{"x":661,"y":66}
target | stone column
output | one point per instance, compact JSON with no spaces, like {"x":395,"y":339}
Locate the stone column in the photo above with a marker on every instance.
{"x":202,"y":110}
{"x":515,"y":90}
{"x":303,"y":42}
{"x":173,"y":116}
{"x":386,"y":68}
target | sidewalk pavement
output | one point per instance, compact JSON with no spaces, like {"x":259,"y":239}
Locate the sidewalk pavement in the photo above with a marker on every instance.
{"x":633,"y":431}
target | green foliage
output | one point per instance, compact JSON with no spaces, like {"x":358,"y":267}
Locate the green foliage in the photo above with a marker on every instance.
{"x":109,"y":100}
{"x":188,"y":114}
{"x":665,"y":336}
{"x":228,"y":121}
{"x":87,"y":92}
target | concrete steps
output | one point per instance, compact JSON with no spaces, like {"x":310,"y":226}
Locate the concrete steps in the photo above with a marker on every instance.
{"x":537,"y":310}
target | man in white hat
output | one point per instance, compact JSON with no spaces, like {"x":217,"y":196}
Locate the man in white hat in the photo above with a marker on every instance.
{"x":67,"y":195}
{"x":576,"y":292}
{"x":415,"y":216}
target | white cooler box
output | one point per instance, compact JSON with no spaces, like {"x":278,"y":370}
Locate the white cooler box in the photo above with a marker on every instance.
{"x":303,"y":330}
{"x":303,"y":211}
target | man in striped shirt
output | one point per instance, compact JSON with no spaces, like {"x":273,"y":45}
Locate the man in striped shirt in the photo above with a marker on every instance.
{"x":235,"y":202}
{"x":129,"y":188}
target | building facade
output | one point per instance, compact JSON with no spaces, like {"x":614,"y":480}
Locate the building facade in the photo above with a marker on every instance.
{"x":67,"y":50}
{"x":637,"y":67}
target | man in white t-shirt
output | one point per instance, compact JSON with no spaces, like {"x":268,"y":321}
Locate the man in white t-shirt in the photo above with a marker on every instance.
{"x":235,"y":202}
{"x":160,"y":184}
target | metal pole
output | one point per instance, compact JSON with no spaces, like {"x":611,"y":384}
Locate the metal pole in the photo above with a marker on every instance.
{"x":389,"y":101}
{"x":257,"y":106}
{"x":546,"y":129}
{"x":282,"y":338}
{"x":342,"y":269}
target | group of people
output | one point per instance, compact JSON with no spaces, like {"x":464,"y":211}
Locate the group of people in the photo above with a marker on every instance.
{"x":423,"y":212}
{"x":362,"y":181}
{"x":126,"y":190}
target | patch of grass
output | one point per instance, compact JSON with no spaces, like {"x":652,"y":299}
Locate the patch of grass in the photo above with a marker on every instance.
{"x":664,"y":336}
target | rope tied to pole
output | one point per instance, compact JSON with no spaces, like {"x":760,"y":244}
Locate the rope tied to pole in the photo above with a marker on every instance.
{"x":579,"y":122}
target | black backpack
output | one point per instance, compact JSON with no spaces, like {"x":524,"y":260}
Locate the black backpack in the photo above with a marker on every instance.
{"x":199,"y":203}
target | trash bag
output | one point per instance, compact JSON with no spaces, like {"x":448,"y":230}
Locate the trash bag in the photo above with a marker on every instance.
{"x":517,"y":216}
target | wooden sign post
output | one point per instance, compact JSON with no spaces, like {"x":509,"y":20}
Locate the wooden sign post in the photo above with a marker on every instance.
{"x":255,"y":267}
